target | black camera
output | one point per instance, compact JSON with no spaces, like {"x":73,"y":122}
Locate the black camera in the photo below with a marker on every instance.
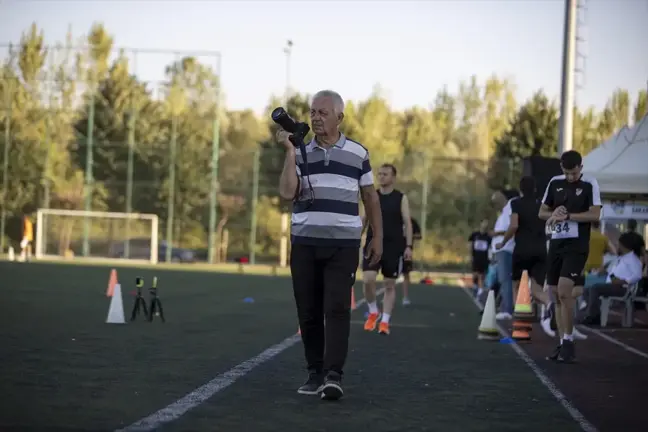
{"x":298,"y":130}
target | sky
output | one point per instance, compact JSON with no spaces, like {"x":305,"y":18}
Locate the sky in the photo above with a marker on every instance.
{"x":411,"y":49}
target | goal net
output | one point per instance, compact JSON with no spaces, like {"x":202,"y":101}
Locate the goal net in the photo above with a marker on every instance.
{"x":96,"y":235}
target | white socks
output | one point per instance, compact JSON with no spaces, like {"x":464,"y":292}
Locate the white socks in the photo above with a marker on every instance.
{"x":373,"y":307}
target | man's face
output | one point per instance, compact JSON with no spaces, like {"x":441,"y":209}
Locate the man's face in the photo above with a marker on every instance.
{"x":324,"y":120}
{"x":385,"y":176}
{"x":498,"y":200}
{"x":572,"y":175}
{"x":483,"y":226}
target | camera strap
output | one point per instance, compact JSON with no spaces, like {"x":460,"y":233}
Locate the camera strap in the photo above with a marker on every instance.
{"x":306,"y":173}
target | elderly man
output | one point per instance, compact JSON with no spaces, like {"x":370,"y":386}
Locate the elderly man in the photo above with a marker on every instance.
{"x":325,"y":231}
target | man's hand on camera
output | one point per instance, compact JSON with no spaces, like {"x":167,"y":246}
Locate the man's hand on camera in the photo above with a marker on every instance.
{"x":375,"y":251}
{"x":283,"y":137}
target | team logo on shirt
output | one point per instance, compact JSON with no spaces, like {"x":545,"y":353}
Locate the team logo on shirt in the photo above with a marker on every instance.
{"x":579,"y":191}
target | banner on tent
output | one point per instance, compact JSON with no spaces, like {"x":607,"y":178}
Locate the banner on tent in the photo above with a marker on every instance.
{"x":625,"y":210}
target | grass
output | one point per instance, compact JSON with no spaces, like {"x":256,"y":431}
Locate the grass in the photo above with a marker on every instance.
{"x":65,"y":369}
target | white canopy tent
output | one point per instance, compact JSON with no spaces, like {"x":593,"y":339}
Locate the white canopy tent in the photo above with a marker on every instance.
{"x":620,"y":164}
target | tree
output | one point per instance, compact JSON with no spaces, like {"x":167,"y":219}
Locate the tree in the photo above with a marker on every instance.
{"x":586,"y":136}
{"x":448,"y":155}
{"x":615,"y":115}
{"x":273,"y":154}
{"x":533,"y":132}
{"x":23,"y":122}
{"x":641,"y":107}
{"x":376,"y":127}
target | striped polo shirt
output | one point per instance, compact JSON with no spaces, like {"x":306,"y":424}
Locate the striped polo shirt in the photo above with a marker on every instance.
{"x":337,"y":174}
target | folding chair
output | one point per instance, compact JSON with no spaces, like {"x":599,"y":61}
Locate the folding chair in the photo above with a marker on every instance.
{"x":627,"y":300}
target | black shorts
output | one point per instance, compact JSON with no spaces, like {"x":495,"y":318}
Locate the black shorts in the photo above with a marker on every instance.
{"x":534,"y":263}
{"x":480,"y":265}
{"x":391,"y":263}
{"x":567,"y":264}
{"x":408,"y":266}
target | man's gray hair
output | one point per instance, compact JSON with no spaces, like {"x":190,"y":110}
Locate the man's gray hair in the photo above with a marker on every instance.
{"x":338,"y":102}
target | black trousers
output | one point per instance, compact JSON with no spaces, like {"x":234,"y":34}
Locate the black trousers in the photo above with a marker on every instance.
{"x":322,"y":280}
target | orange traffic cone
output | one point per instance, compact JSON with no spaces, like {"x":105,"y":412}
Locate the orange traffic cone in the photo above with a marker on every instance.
{"x":112,"y":281}
{"x":523,"y":313}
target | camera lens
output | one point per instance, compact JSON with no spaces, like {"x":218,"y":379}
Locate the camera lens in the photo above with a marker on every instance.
{"x":281,"y":117}
{"x":278,"y":113}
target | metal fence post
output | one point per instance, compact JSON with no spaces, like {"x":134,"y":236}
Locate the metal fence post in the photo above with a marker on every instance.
{"x":213,"y":191}
{"x":129,"y":174}
{"x":255,"y":199}
{"x":424,"y":200}
{"x":5,"y":167}
{"x":89,"y":175}
{"x":171,"y":200}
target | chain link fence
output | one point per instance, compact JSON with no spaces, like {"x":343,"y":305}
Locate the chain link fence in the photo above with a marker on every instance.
{"x":142,"y":131}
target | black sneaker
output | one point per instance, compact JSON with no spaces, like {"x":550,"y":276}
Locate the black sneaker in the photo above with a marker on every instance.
{"x":567,"y":352}
{"x":554,"y":354}
{"x":332,"y":388}
{"x":313,"y":384}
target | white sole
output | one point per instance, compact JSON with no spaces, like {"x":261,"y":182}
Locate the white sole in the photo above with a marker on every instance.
{"x":331,"y":391}
{"x":309,"y":393}
{"x":546,"y":326}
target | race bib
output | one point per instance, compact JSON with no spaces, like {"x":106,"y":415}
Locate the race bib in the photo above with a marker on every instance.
{"x":480,"y":245}
{"x":564,"y":230}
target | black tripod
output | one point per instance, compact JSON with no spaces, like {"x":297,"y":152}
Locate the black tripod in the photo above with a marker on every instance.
{"x":139,"y":300}
{"x":156,"y":304}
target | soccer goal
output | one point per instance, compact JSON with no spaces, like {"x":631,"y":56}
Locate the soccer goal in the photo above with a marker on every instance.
{"x":96,"y":235}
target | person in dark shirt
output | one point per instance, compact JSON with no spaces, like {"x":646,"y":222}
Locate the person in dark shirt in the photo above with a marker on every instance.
{"x":570,"y":204}
{"x":530,"y":252}
{"x":395,"y":211}
{"x":480,"y":242}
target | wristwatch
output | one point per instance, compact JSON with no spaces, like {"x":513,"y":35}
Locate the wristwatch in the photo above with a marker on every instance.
{"x":568,"y":216}
{"x":408,"y":246}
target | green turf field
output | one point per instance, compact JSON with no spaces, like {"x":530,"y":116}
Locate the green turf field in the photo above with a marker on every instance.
{"x":64,"y":368}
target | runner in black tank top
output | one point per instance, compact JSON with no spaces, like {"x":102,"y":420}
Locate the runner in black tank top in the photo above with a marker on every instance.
{"x":396,"y":247}
{"x":390,"y":205}
{"x":530,"y":251}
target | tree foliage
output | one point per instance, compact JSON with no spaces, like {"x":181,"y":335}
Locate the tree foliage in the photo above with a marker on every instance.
{"x":449,"y":154}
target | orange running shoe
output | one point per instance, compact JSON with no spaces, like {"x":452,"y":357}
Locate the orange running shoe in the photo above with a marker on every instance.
{"x":383,"y":328}
{"x":372,"y":320}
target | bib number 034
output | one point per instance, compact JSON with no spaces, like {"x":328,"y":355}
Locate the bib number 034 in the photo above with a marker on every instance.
{"x":564,"y":230}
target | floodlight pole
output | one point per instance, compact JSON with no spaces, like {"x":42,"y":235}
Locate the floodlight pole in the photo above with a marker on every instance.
{"x":567,"y":85}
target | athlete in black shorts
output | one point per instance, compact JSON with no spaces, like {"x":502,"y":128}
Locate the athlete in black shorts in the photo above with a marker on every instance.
{"x":396,"y":248}
{"x":480,"y":242}
{"x":570,"y":204}
{"x":530,"y":251}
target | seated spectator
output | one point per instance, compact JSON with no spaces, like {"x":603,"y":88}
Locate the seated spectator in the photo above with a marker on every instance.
{"x":627,"y":270}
